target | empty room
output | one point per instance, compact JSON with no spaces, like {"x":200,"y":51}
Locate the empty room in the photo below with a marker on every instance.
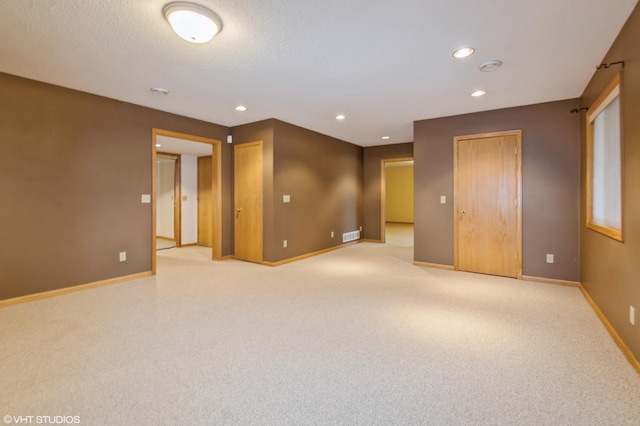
{"x":268,"y":212}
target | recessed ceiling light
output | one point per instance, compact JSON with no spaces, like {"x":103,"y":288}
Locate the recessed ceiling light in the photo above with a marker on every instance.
{"x":479,"y":93}
{"x":192,"y":22}
{"x":490,"y":65}
{"x":159,"y":90}
{"x":463,"y":52}
{"x":241,"y":108}
{"x":386,"y":138}
{"x":340,"y":117}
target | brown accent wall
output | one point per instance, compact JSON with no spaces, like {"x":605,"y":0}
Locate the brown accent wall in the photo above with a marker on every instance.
{"x":73,"y":167}
{"x":373,"y":157}
{"x":261,"y":131}
{"x":323,"y":177}
{"x":550,"y":189}
{"x":610,"y":268}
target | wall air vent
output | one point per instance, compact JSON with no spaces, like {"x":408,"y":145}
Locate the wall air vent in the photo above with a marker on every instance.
{"x":350,"y":236}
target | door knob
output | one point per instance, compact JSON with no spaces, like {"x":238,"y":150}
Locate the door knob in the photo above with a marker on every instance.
{"x":238,"y":210}
{"x":461,"y":212}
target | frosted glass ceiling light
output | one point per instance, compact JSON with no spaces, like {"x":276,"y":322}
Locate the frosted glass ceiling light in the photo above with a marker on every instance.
{"x":192,"y":22}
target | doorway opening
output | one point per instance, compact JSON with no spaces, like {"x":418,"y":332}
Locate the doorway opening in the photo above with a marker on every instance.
{"x":168,"y":205}
{"x":397,"y":217}
{"x":187,"y":148}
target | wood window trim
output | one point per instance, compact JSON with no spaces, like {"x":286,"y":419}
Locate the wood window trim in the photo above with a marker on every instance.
{"x":605,"y":98}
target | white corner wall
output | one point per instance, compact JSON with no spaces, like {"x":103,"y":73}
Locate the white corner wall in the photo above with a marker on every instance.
{"x":189,"y":179}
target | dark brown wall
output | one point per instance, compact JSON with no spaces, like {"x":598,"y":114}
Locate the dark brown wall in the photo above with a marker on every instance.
{"x":550,"y":189}
{"x":610,"y":268}
{"x":253,"y":132}
{"x":373,"y":157}
{"x":73,"y":167}
{"x":323,"y":177}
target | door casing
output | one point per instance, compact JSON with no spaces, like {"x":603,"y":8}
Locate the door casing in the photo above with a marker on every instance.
{"x":383,"y":192}
{"x":517,"y":196}
{"x":216,"y":176}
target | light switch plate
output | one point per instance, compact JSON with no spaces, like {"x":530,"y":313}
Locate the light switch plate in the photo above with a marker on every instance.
{"x":145,"y":199}
{"x":443,"y":199}
{"x":286,"y":198}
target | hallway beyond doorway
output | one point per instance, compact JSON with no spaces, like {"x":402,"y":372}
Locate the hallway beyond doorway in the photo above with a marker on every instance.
{"x":399,"y":234}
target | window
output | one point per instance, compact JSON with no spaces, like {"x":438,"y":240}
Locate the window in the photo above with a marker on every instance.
{"x":604,"y":162}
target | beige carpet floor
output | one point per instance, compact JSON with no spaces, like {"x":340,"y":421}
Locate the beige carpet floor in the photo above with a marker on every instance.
{"x":357,"y":336}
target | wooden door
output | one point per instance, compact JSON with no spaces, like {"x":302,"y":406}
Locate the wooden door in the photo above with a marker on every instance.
{"x":248,"y":201}
{"x":205,"y":201}
{"x":487,"y":218}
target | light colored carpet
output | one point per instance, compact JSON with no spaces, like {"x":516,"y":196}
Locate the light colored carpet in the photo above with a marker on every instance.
{"x":399,"y":234}
{"x":354,"y":336}
{"x":164,"y":244}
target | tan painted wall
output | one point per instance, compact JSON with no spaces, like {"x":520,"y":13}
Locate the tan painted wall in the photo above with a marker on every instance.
{"x":74,"y":166}
{"x":399,"y":194}
{"x":610,"y":268}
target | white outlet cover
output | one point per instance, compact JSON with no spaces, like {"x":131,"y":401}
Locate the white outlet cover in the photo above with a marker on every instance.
{"x":443,"y":199}
{"x":284,"y":244}
{"x":550,"y":258}
{"x":123,"y":256}
{"x":145,"y":198}
{"x":286,"y":198}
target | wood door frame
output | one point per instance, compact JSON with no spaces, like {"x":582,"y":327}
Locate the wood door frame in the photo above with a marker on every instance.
{"x":456,"y":139}
{"x":383,"y":192}
{"x":177,"y":194}
{"x":216,"y":151}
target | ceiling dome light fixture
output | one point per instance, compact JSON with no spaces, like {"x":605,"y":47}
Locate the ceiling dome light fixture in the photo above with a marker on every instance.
{"x":463,"y":52}
{"x":340,"y":117}
{"x":192,"y":22}
{"x":479,"y":93}
{"x":386,"y":138}
{"x":490,"y":65}
{"x":241,"y":108}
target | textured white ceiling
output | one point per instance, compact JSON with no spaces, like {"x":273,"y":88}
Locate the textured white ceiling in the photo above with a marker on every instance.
{"x":383,"y":64}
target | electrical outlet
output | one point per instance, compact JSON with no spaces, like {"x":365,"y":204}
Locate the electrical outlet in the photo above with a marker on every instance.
{"x":361,"y":229}
{"x":123,"y":256}
{"x":550,"y":258}
{"x":632,"y":315}
{"x":331,"y":234}
{"x":443,"y":199}
{"x":284,"y":244}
